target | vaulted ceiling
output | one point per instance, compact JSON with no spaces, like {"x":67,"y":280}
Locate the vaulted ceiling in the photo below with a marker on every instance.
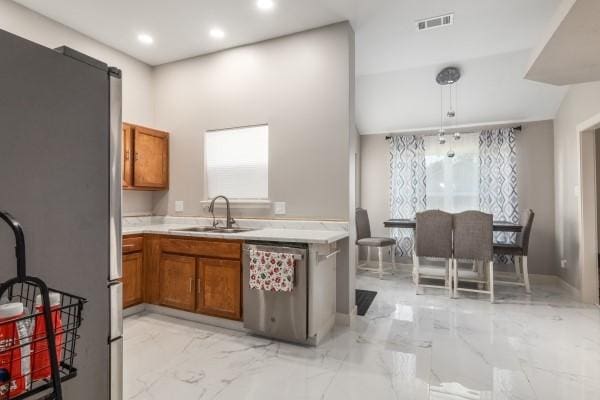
{"x":491,"y":41}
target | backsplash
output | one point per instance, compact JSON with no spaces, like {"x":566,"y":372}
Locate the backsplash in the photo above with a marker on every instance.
{"x":141,"y":221}
{"x":245,"y":223}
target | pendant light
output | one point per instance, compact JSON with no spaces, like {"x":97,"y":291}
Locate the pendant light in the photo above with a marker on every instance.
{"x":448,"y":78}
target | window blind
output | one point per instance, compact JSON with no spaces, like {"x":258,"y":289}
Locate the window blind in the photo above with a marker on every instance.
{"x":237,"y":163}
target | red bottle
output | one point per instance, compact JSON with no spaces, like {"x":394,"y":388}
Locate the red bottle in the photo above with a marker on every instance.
{"x":40,"y":357}
{"x":14,"y":350}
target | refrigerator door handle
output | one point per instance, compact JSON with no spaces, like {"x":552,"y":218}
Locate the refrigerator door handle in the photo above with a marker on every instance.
{"x":116,"y":137}
{"x":116,"y":310}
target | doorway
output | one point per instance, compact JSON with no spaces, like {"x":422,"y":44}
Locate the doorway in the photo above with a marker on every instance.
{"x":597,"y":158}
{"x":589,"y":211}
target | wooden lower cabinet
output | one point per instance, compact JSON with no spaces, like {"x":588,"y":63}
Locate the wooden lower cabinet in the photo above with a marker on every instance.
{"x":133,"y":289}
{"x":191,"y":274}
{"x":177,"y":280}
{"x":218,"y":288}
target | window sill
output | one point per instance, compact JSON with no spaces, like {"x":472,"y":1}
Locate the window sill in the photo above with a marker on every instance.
{"x":239,"y":203}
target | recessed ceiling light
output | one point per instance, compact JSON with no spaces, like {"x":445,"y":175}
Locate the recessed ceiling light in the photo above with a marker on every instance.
{"x":265,"y":4}
{"x":217,"y":33}
{"x":145,"y":38}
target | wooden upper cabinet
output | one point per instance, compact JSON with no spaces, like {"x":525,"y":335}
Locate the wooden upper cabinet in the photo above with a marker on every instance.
{"x":219,"y":288}
{"x":127,"y":156}
{"x":145,"y":158}
{"x":177,"y":281}
{"x":151,"y":166}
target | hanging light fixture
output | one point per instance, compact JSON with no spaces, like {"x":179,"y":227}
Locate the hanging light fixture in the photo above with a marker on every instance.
{"x":448,"y":78}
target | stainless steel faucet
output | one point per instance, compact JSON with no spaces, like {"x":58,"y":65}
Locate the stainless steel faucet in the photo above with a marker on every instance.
{"x":211,"y":209}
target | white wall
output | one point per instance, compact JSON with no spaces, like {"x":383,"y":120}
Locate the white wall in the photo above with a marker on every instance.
{"x":535,"y":163}
{"x":491,"y":90}
{"x":581,"y":103}
{"x":138,"y":92}
{"x":299,"y":85}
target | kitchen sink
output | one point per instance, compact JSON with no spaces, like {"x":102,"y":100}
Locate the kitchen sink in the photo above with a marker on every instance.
{"x":195,"y":229}
{"x":210,"y":229}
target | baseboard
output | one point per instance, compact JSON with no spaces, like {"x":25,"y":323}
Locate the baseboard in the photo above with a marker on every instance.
{"x":387,"y":264}
{"x":128,"y":312}
{"x":534,"y":278}
{"x":346,"y":319}
{"x":203,"y":319}
{"x":324,"y":333}
{"x":573,"y":291}
{"x":542,"y":278}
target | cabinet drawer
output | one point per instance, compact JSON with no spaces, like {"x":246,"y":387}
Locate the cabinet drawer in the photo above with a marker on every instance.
{"x":132,"y":244}
{"x":203,"y":248}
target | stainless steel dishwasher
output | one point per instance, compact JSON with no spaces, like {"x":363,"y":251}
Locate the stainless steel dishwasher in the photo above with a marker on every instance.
{"x":280,"y":315}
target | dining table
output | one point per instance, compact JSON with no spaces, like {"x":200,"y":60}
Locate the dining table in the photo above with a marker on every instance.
{"x":498,"y":226}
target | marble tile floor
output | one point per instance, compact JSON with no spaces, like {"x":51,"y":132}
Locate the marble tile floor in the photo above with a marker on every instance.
{"x":545,"y":346}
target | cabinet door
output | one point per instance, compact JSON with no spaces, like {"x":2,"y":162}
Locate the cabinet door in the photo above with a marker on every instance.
{"x":132,"y":279}
{"x":127,"y":156}
{"x":151,"y":164}
{"x":219,"y":288}
{"x":177,"y":278}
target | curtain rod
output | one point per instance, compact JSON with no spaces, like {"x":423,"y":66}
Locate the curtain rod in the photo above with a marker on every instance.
{"x":388,"y":137}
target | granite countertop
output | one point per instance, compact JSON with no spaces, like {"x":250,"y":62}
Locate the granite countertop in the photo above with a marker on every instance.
{"x":266,"y":234}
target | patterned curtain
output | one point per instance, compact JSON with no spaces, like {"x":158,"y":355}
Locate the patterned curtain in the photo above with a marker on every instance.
{"x":407,"y":185}
{"x":498,"y":179}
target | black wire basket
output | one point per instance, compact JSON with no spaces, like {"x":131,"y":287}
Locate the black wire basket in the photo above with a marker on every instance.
{"x":37,"y":347}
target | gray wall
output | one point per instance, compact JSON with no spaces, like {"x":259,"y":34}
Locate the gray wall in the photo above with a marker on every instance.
{"x":299,"y":85}
{"x":535,"y":186}
{"x":535,"y":164}
{"x":581,"y":103}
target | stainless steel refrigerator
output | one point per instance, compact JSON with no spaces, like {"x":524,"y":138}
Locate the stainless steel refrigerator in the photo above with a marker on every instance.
{"x":60,"y":135}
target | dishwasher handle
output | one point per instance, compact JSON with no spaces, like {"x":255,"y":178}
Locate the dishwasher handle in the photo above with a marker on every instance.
{"x":297,"y":257}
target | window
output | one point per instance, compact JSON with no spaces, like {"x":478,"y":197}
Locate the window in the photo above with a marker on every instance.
{"x":237,"y":163}
{"x":452,"y":183}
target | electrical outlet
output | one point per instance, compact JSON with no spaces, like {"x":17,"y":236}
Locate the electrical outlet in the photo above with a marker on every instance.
{"x":279,"y":208}
{"x":179,"y":206}
{"x":563,"y":263}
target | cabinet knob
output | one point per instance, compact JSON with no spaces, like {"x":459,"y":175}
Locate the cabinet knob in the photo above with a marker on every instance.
{"x":137,"y":156}
{"x":127,"y":155}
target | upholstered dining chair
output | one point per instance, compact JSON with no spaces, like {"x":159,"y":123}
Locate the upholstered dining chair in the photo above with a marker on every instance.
{"x":473,"y":241}
{"x":519,"y":250}
{"x":433,"y":239}
{"x":364,"y":238}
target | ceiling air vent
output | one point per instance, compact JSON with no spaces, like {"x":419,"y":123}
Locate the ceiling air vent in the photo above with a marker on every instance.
{"x":435,"y":22}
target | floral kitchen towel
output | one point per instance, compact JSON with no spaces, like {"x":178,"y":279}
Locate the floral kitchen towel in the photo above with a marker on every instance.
{"x":271,"y":271}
